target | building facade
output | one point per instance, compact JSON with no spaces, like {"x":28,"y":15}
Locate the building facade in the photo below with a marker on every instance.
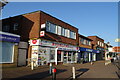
{"x":98,"y":44}
{"x":86,"y":53}
{"x":9,"y":49}
{"x":46,"y":39}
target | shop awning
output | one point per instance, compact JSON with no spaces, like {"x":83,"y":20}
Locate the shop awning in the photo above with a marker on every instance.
{"x":4,"y":36}
{"x":89,"y":50}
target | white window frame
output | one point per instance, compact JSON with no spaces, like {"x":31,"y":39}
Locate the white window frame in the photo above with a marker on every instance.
{"x":59,"y":30}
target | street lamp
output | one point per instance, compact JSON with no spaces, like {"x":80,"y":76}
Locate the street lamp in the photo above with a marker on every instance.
{"x":3,"y":3}
{"x":117,"y":40}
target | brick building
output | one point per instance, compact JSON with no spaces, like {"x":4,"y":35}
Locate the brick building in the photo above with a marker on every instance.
{"x":98,"y":44}
{"x":9,"y":49}
{"x":86,"y":53}
{"x":43,"y":38}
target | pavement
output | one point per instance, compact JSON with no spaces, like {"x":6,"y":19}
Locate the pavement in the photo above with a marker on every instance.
{"x":97,"y":70}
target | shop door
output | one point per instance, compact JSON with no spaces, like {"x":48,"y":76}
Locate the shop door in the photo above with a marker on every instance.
{"x":69,"y":57}
{"x":22,"y":53}
{"x":65,"y":59}
{"x":22,"y":57}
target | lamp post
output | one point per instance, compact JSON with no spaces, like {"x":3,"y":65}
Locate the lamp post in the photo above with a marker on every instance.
{"x":117,"y":40}
{"x":3,"y":3}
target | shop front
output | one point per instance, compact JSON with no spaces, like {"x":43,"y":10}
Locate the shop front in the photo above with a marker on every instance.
{"x":87,"y":55}
{"x":45,"y":52}
{"x":9,"y":49}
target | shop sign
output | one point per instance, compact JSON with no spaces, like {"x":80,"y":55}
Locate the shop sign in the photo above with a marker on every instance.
{"x":42,"y":33}
{"x":35,"y":53}
{"x":9,"y":38}
{"x":60,"y":46}
{"x":46,"y":43}
{"x":43,"y":26}
{"x":89,"y":50}
{"x":35,"y":42}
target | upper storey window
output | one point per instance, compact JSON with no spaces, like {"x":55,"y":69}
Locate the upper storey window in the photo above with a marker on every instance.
{"x":56,"y":29}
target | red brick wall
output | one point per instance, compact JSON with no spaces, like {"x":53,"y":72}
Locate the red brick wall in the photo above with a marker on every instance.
{"x":82,"y":45}
{"x":116,"y":49}
{"x":31,"y":25}
{"x":45,"y":17}
{"x":95,"y":41}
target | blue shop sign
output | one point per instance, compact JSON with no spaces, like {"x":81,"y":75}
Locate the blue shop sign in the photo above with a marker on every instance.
{"x":9,"y":38}
{"x":88,"y":50}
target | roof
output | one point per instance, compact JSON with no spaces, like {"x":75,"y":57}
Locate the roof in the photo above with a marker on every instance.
{"x":44,"y":13}
{"x":85,"y":37}
{"x":10,"y":34}
{"x":97,"y":37}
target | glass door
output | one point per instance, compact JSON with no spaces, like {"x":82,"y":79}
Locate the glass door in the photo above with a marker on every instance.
{"x":69,"y":57}
{"x":65,"y":57}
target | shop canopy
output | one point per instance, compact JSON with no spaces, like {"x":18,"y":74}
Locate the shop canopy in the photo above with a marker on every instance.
{"x":4,"y":36}
{"x":88,"y":50}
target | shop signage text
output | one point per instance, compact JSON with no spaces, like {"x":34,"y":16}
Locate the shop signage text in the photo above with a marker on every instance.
{"x":9,"y":38}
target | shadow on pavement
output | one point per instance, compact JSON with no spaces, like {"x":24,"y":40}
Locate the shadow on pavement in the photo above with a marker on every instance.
{"x":37,"y":76}
{"x":81,"y":71}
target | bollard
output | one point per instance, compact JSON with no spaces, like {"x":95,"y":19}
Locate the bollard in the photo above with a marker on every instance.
{"x":50,"y":71}
{"x":54,"y":74}
{"x":32,"y":65}
{"x":73,"y":71}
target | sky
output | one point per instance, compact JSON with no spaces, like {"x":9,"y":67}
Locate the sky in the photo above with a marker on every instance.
{"x":91,"y":18}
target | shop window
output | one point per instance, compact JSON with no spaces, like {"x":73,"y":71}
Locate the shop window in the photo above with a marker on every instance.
{"x":52,"y":55}
{"x":7,"y":52}
{"x":58,"y":55}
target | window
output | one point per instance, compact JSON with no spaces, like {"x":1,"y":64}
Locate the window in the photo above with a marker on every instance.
{"x":6,"y":28}
{"x":102,"y":44}
{"x":50,"y":27}
{"x":59,"y":30}
{"x":89,"y":43}
{"x":74,"y":35}
{"x":67,"y":33}
{"x":82,"y":40}
{"x":7,"y":52}
{"x":47,"y":26}
{"x":98,"y":42}
{"x":15,"y":27}
{"x":63,"y":31}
